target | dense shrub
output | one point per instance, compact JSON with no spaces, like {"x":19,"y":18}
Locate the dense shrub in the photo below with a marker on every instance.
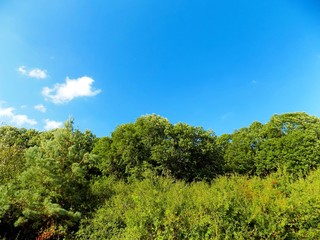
{"x":228,"y":208}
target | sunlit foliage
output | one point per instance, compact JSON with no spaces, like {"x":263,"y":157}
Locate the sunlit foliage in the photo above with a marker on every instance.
{"x":155,"y":180}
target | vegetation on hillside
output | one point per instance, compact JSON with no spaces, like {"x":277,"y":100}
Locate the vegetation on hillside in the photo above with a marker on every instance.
{"x":155,"y":180}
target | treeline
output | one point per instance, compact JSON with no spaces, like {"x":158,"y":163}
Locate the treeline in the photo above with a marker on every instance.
{"x":155,"y":180}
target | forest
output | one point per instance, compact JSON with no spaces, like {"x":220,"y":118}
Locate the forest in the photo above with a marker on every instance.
{"x":151,"y":179}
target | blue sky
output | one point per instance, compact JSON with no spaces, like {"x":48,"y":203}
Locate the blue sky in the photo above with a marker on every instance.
{"x":216,"y":64}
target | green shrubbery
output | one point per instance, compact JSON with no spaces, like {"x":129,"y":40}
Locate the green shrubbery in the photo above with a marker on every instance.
{"x":154,"y":180}
{"x":229,"y":208}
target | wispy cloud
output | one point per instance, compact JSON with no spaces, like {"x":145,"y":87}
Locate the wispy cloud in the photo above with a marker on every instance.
{"x":254,"y":82}
{"x":225,"y":116}
{"x":8,"y":115}
{"x":72,"y":88}
{"x":50,"y":124}
{"x":33,"y":73}
{"x":40,"y":108}
{"x":22,"y":70}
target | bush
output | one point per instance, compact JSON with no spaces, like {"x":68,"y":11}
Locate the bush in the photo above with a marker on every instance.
{"x":229,"y":208}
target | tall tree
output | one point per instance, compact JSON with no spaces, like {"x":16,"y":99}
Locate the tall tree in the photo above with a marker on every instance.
{"x":189,"y":153}
{"x":52,"y":191}
{"x":289,"y":141}
{"x":128,"y":153}
{"x":241,"y":147}
{"x":152,"y":142}
{"x":13,"y":144}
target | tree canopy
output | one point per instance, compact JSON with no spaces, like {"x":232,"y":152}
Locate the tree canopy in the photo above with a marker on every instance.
{"x":151,"y":179}
{"x":179,"y":150}
{"x":289,"y":141}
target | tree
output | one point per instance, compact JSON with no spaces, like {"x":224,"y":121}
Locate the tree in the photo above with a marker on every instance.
{"x":153,"y":143}
{"x":189,"y":153}
{"x":13,"y":144}
{"x":52,"y":191}
{"x":241,"y":147}
{"x":291,"y":141}
{"x":128,"y":152}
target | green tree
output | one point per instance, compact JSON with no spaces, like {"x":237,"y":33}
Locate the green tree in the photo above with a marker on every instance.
{"x":153,"y":143}
{"x":241,"y":147}
{"x":291,"y":141}
{"x":128,"y":152}
{"x":13,"y":144}
{"x":189,"y":153}
{"x":53,"y":190}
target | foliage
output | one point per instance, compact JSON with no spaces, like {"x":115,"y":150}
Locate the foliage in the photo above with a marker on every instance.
{"x":289,"y":141}
{"x":13,"y":144}
{"x":155,"y":180}
{"x":240,"y":148}
{"x":228,"y":208}
{"x":180,"y":150}
{"x":50,"y":193}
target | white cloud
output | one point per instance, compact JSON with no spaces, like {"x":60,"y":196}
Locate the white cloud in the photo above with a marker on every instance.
{"x":40,"y":108}
{"x":6,"y":112}
{"x":72,"y":88}
{"x":33,"y":73}
{"x":7,"y":115}
{"x":50,"y":124}
{"x":22,"y":70}
{"x":38,"y":73}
